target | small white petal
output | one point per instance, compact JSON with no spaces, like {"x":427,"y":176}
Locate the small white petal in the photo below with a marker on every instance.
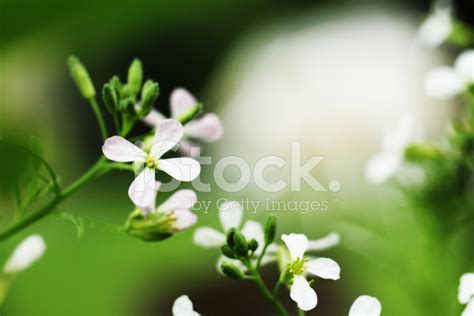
{"x":119,"y":149}
{"x":296,"y":244}
{"x":179,"y":201}
{"x":382,"y":166}
{"x":303,"y":294}
{"x":25,"y":254}
{"x":464,"y":66}
{"x":183,"y":307}
{"x":324,"y":243}
{"x":208,"y":237}
{"x":230,"y":215}
{"x":184,"y":219}
{"x":436,"y":28}
{"x":168,"y":134}
{"x":143,"y":189}
{"x":253,"y":230}
{"x":365,"y":306}
{"x":182,"y":169}
{"x":466,"y":288}
{"x":154,"y":118}
{"x":443,"y":83}
{"x":207,"y":128}
{"x":180,"y":101}
{"x":189,"y":148}
{"x":397,"y":138}
{"x":324,"y":268}
{"x":469,"y":310}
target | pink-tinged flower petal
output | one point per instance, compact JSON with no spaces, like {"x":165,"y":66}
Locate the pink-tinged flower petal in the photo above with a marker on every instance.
{"x":207,"y":128}
{"x":303,"y":294}
{"x":184,"y":219}
{"x":296,"y":244}
{"x":168,"y":134}
{"x":143,"y":189}
{"x":365,"y":306}
{"x":208,"y":237}
{"x":119,"y":149}
{"x":179,"y":201}
{"x":190,"y":149}
{"x":182,"y":169}
{"x":180,"y":101}
{"x":154,"y":118}
{"x":324,"y":268}
{"x":230,"y":215}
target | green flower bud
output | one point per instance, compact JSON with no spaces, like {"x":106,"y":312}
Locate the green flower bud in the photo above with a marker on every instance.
{"x":241,"y":247}
{"x":135,"y":76}
{"x":110,"y":97}
{"x":422,"y":153}
{"x":227,"y":251}
{"x":81,"y":77}
{"x":230,"y":237}
{"x":150,"y":92}
{"x":190,"y":114}
{"x":253,"y":245}
{"x":270,"y":229}
{"x":155,"y":226}
{"x":232,"y":271}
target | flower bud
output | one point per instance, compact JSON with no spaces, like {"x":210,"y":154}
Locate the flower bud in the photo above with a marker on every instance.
{"x":135,"y":75}
{"x":155,"y":226}
{"x":230,"y":237}
{"x":270,"y":229}
{"x":227,"y":251}
{"x":81,"y":77}
{"x":253,"y":245}
{"x":421,"y":153}
{"x":150,"y":92}
{"x":190,"y":113}
{"x":110,"y":98}
{"x":240,"y":244}
{"x":231,"y":271}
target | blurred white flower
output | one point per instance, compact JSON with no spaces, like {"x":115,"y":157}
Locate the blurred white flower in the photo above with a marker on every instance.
{"x":446,"y":82}
{"x":183,"y":307}
{"x":207,"y":128}
{"x":26,"y":253}
{"x":365,"y":305}
{"x":168,"y":134}
{"x":384,"y":164}
{"x":301,"y":292}
{"x":466,"y":293}
{"x":436,"y":28}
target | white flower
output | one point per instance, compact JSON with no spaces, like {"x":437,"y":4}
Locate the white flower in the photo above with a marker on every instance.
{"x":365,"y":305}
{"x":446,"y":82}
{"x":466,"y":293}
{"x":183,"y":307}
{"x":168,"y":134}
{"x":30,"y":250}
{"x":436,"y":28}
{"x":301,"y":292}
{"x":384,"y":164}
{"x":207,"y":128}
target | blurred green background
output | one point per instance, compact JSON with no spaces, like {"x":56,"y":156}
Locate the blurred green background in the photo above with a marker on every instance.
{"x":386,"y":251}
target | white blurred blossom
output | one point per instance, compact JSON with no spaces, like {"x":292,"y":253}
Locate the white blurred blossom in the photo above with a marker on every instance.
{"x":466,"y":293}
{"x":183,"y":307}
{"x":365,"y":305}
{"x":26,"y":253}
{"x":436,"y":28}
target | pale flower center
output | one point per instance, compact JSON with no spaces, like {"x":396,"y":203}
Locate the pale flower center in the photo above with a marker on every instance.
{"x":151,"y":162}
{"x":298,"y":266}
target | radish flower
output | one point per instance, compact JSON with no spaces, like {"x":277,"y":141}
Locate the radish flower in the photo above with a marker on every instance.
{"x":207,"y":128}
{"x":466,"y":293}
{"x":183,"y":307}
{"x":168,"y":134}
{"x":301,"y":291}
{"x":436,"y":28}
{"x":365,"y":306}
{"x":26,"y":253}
{"x":446,"y":82}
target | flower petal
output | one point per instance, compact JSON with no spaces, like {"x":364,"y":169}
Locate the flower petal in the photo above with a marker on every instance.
{"x":182,"y":169}
{"x":469,"y":310}
{"x":179,"y":201}
{"x":168,"y":134}
{"x":119,"y":149}
{"x":208,"y":237}
{"x":254,"y":230}
{"x":189,"y":148}
{"x":180,"y":101}
{"x":143,"y":189}
{"x":230,"y":215}
{"x":154,"y":118}
{"x":466,"y":288}
{"x":436,"y":28}
{"x":207,"y":128}
{"x":464,"y":66}
{"x":324,"y":243}
{"x":382,"y":166}
{"x":25,"y":254}
{"x":325,"y":268}
{"x":296,"y":244}
{"x":184,"y":219}
{"x":303,"y":294}
{"x":365,"y":306}
{"x":443,"y":83}
{"x":183,"y":307}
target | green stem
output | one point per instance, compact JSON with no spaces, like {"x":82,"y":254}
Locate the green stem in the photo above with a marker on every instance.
{"x":259,"y":260}
{"x":99,"y":117}
{"x":300,"y":312}
{"x":276,"y":289}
